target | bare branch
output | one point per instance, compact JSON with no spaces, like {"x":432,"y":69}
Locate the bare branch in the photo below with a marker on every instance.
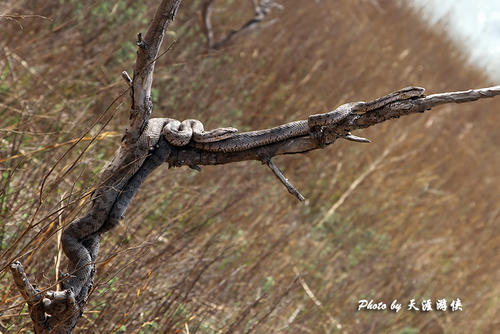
{"x":52,"y":312}
{"x":406,"y":107}
{"x":30,"y":294}
{"x":206,"y":22}
{"x":305,"y":143}
{"x":262,"y":9}
{"x":143,"y":73}
{"x":357,"y":139}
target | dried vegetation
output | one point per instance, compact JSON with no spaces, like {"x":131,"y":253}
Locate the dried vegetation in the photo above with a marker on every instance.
{"x":224,"y":247}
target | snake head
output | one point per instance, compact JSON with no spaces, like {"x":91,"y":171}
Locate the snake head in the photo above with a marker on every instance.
{"x":358,"y":108}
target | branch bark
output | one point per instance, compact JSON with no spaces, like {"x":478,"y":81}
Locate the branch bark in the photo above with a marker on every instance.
{"x":147,"y":52}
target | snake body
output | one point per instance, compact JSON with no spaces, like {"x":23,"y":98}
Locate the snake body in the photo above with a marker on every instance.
{"x":358,"y":108}
{"x":191,"y":131}
{"x":111,"y":199}
{"x":247,"y":140}
{"x":181,"y":133}
{"x":243,"y":141}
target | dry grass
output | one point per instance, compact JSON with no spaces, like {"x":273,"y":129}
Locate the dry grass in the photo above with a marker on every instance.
{"x":219,"y":252}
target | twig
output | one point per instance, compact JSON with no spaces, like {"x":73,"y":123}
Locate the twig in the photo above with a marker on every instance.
{"x":24,"y":16}
{"x":351,"y":137}
{"x":127,"y":78}
{"x":279,"y":174}
{"x":59,"y":248}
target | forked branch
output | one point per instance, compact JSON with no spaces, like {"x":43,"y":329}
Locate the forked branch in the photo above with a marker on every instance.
{"x":193,"y":156}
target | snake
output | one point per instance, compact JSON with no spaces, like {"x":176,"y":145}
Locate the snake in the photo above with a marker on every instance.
{"x":129,"y":167}
{"x":362,"y":107}
{"x":111,"y":200}
{"x":235,"y":142}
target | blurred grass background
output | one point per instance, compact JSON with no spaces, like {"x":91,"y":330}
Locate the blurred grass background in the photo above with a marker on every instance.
{"x":413,"y":215}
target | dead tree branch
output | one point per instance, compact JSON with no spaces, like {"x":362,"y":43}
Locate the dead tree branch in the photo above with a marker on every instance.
{"x":58,"y":312}
{"x":181,"y":156}
{"x":144,"y":148}
{"x":206,"y":23}
{"x":189,"y":155}
{"x":279,"y":174}
{"x":261,"y":7}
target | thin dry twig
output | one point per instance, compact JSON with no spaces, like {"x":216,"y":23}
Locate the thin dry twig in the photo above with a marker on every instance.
{"x":279,"y":174}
